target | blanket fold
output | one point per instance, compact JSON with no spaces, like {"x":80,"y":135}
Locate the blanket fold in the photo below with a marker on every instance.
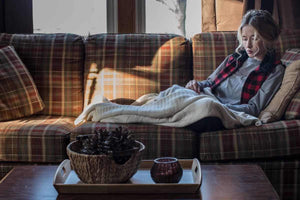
{"x":175,"y":106}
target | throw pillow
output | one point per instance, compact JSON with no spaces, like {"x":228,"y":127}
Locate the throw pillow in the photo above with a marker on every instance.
{"x":19,"y":96}
{"x":290,"y":85}
{"x":293,"y":109}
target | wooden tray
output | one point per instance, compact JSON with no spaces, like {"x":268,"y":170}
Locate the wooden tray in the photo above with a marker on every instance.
{"x":66,"y":181}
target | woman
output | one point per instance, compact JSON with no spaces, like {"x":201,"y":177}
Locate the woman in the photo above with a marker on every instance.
{"x":248,"y":79}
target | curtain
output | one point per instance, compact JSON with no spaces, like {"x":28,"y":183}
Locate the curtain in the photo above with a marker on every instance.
{"x":2,"y":21}
{"x":221,"y":15}
{"x":208,"y":16}
{"x":226,"y":15}
{"x":285,"y":12}
{"x":16,"y":16}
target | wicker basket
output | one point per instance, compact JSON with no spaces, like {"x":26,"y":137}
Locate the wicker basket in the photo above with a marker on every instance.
{"x":101,"y":168}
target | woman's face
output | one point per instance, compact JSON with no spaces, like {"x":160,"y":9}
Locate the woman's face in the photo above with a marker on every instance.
{"x":253,"y":44}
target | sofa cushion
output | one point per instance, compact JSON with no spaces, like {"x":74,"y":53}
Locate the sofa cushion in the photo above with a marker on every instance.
{"x":211,"y":48}
{"x":19,"y":96}
{"x":293,"y":109}
{"x":290,"y":85}
{"x":158,"y":140}
{"x":270,"y":140}
{"x":123,"y":67}
{"x":55,"y":62}
{"x":35,"y":139}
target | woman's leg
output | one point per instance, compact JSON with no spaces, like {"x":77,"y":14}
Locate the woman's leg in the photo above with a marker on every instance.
{"x":207,"y":124}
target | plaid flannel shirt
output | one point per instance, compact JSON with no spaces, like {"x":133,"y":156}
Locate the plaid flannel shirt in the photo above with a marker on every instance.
{"x":255,"y":79}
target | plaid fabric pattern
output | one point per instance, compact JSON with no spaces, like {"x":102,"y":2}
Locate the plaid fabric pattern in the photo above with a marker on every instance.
{"x":288,"y":39}
{"x":18,"y":94}
{"x":159,"y":140}
{"x":123,"y":67}
{"x":284,"y":174}
{"x":253,"y":82}
{"x":55,"y":62}
{"x":252,"y":85}
{"x":290,"y":56}
{"x":211,"y":48}
{"x":230,"y":68}
{"x":275,"y":139}
{"x":35,"y":139}
{"x":293,"y":109}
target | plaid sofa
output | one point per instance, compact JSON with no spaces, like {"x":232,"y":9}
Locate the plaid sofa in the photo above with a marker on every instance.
{"x":71,"y":71}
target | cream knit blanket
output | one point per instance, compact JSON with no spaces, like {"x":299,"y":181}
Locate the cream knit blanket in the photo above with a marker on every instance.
{"x":176,"y":107}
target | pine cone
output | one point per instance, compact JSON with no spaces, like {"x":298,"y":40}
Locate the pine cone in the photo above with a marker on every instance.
{"x":119,"y":144}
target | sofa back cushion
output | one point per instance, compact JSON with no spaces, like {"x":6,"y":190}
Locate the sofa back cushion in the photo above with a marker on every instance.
{"x":290,"y":56}
{"x":211,"y":48}
{"x":55,"y":62}
{"x":123,"y":67}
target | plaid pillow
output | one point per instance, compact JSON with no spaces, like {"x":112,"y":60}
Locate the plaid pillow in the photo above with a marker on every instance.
{"x":19,"y":96}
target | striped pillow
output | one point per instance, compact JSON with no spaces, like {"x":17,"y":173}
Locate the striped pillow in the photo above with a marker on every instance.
{"x":19,"y":96}
{"x":293,"y":109}
{"x":289,"y":86}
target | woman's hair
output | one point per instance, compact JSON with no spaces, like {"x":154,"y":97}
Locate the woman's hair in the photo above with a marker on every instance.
{"x":265,"y":27}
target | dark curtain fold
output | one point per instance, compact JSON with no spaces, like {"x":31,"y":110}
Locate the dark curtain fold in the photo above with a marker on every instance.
{"x":16,"y":16}
{"x":285,"y":12}
{"x":267,"y":5}
{"x":2,"y":21}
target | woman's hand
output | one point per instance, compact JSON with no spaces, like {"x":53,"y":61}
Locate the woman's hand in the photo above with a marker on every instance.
{"x":194,"y":85}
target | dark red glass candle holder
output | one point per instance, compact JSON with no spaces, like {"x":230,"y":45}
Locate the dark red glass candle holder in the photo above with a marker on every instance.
{"x":166,"y":170}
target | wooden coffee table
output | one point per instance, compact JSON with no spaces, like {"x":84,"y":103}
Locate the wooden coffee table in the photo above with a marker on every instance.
{"x":219,"y":182}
